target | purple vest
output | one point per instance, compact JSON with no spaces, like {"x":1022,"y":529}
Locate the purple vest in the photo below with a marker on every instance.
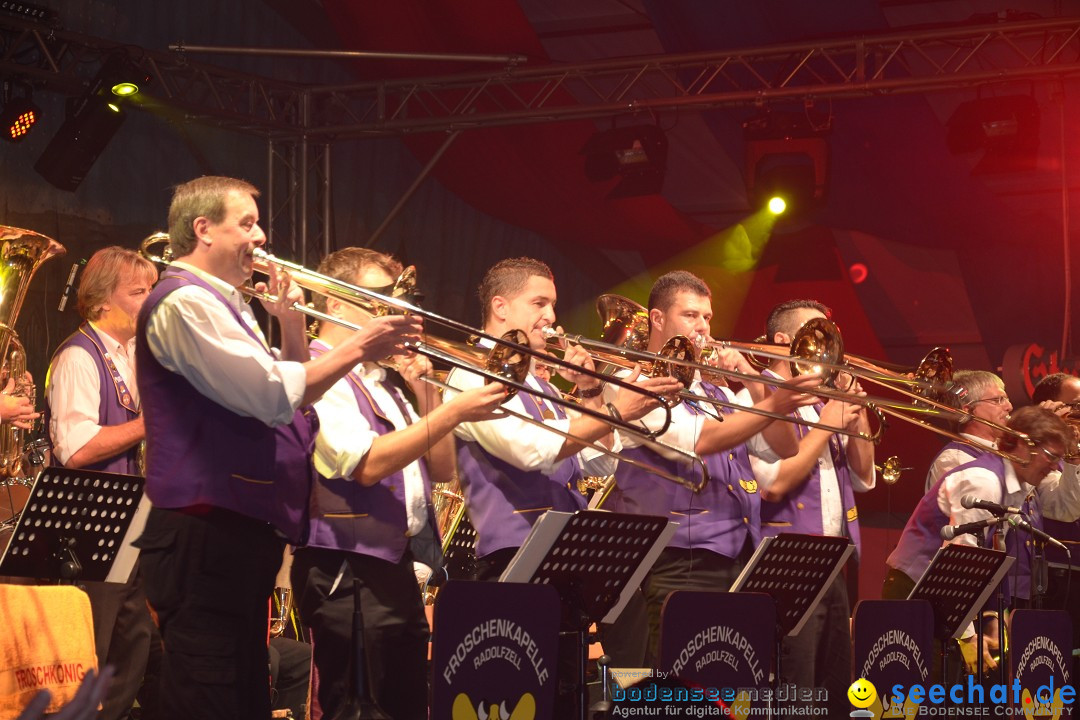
{"x":346,"y":515}
{"x":115,"y":406}
{"x":972,"y":451}
{"x":505,"y":502}
{"x":921,"y":537}
{"x":201,"y":453}
{"x":800,"y":510}
{"x":720,"y":518}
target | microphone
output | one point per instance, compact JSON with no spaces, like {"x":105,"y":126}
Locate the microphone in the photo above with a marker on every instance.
{"x":972,"y":502}
{"x":66,"y":295}
{"x":951,"y":531}
{"x":1018,"y":522}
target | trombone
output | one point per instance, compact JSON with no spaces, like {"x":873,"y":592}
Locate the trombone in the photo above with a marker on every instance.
{"x":817,"y":345}
{"x":510,"y":349}
{"x":376,"y":304}
{"x":672,"y":359}
{"x":507,"y":362}
{"x":504,"y":365}
{"x":933,"y":373}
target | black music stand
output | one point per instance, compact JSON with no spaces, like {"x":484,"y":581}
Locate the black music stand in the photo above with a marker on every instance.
{"x":594,"y":559}
{"x":78,"y":525}
{"x":795,"y":570}
{"x":459,"y":560}
{"x":957,"y":584}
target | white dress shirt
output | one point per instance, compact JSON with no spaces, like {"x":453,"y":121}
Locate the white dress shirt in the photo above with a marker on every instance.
{"x":73,"y":391}
{"x":686,"y":425}
{"x":766,"y":466}
{"x":345,"y":436}
{"x":950,"y":458}
{"x":521,"y":444}
{"x":192,"y":334}
{"x":1059,"y":495}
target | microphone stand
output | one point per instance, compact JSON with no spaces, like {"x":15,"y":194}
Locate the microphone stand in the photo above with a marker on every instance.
{"x":359,"y":705}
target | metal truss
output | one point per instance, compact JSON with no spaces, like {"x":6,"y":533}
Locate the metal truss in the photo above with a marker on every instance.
{"x":907,"y":62}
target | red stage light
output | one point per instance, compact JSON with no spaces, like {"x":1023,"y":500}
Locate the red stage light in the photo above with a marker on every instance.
{"x":858,"y":273}
{"x":19,"y":118}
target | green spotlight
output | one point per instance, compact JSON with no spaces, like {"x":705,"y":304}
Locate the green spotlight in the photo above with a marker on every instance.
{"x":124,"y":89}
{"x":777,"y":205}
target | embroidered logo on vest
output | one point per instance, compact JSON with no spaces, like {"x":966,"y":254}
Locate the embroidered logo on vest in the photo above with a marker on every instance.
{"x":749,"y":486}
{"x":852,"y":514}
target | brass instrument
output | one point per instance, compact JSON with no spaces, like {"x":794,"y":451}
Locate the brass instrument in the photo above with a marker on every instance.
{"x":818,"y":347}
{"x":507,"y":363}
{"x":376,"y":304}
{"x":448,"y":504}
{"x":283,"y":606}
{"x":891,"y":470}
{"x":678,"y":358}
{"x":22,"y":252}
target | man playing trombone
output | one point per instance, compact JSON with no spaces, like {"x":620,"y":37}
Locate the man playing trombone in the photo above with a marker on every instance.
{"x":376,"y":459}
{"x":228,"y":461}
{"x":719,"y":526}
{"x":985,"y":398}
{"x":813,"y":492}
{"x":511,"y":470}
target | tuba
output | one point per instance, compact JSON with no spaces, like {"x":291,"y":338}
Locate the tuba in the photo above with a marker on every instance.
{"x":22,"y":252}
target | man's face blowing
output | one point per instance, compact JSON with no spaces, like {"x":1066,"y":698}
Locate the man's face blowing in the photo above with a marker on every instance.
{"x":530,"y":310}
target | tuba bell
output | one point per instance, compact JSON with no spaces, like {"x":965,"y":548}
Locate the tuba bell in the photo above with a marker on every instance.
{"x":22,"y":252}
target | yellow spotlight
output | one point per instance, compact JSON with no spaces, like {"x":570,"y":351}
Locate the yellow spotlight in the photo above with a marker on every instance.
{"x":777,"y":206}
{"x":123,"y":89}
{"x":114,"y":107}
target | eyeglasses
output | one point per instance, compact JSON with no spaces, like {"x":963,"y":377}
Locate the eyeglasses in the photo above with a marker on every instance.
{"x":996,"y":400}
{"x":1054,"y":458}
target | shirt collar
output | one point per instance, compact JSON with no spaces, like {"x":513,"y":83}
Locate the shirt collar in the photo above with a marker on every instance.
{"x":980,"y":440}
{"x":1012,"y":483}
{"x":227,"y":290}
{"x":111,"y":344}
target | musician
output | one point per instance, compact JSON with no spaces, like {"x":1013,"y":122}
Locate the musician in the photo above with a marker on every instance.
{"x":228,"y":465}
{"x":1034,"y":483}
{"x":985,"y":398}
{"x":376,"y":458}
{"x":718,"y":527}
{"x":95,"y":423}
{"x":511,"y":471}
{"x":1060,"y":394}
{"x":813,"y":492}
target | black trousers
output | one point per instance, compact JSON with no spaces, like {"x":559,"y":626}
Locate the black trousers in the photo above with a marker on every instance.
{"x":209,"y":577}
{"x":395,"y":628}
{"x":122,"y":633}
{"x":682,"y":569}
{"x":820,"y":655}
{"x":290,"y":670}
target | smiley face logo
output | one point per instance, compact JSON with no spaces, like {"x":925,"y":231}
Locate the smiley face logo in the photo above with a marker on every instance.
{"x":862,"y":693}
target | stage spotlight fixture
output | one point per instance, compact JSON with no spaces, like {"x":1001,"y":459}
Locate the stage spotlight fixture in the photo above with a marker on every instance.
{"x":1005,"y":128}
{"x":787,"y":158}
{"x":636,"y":153}
{"x":777,"y":205}
{"x":90,"y":125}
{"x":19,"y":117}
{"x":121,"y":75}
